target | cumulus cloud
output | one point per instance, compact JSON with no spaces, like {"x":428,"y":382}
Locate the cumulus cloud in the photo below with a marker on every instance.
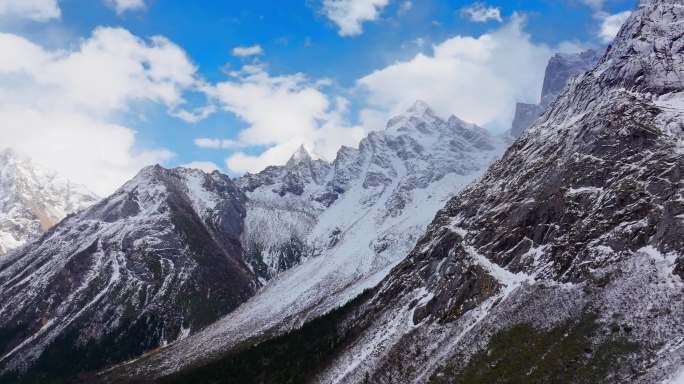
{"x":283,"y":112}
{"x":206,"y":166}
{"x":349,"y":15}
{"x":253,"y":50}
{"x":122,"y":6}
{"x":35,"y":10}
{"x":61,"y":107}
{"x":480,"y":13}
{"x":611,"y":24}
{"x":477,"y":79}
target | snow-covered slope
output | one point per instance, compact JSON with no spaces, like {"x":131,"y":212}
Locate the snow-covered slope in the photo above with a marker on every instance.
{"x":155,"y":261}
{"x":565,"y":262}
{"x":33,"y":199}
{"x":357,"y":218}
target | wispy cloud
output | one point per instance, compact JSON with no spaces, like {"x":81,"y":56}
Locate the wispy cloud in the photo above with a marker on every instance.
{"x":123,"y":6}
{"x":35,"y":10}
{"x":204,"y":142}
{"x":481,"y":13}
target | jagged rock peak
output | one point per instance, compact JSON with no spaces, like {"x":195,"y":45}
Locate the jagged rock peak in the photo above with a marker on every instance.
{"x":300,"y":156}
{"x":420,"y":108}
{"x":561,"y":68}
{"x":419,"y":117}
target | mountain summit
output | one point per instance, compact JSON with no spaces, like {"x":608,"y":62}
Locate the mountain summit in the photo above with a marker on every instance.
{"x":148,"y":265}
{"x":33,"y":199}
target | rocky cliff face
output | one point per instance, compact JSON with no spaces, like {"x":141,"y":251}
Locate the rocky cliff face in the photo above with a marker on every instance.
{"x":33,"y":199}
{"x":155,"y":261}
{"x":360,"y":216}
{"x":560,"y":69}
{"x":576,"y":232}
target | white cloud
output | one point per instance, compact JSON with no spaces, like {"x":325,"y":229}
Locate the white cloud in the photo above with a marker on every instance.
{"x":349,"y":15}
{"x":283,"y":112}
{"x":60,"y":107}
{"x":254,"y":50}
{"x":36,"y":10}
{"x":194,"y":116}
{"x":206,"y":166}
{"x":204,"y":142}
{"x":480,"y":13}
{"x":611,"y":24}
{"x":122,"y":6}
{"x":477,"y":79}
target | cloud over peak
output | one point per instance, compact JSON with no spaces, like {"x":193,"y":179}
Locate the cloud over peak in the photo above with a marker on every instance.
{"x":63,"y":107}
{"x":476,"y":78}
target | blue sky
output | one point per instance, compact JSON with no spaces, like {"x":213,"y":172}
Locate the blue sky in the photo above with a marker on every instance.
{"x":337,"y":83}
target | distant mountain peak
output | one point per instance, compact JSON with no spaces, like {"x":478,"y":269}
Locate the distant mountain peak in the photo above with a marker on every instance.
{"x":420,"y":107}
{"x":33,"y":199}
{"x":302,"y":155}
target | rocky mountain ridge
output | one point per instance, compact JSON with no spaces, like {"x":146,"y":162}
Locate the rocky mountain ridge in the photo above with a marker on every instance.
{"x":33,"y":200}
{"x":562,"y":264}
{"x":146,"y":266}
{"x":377,"y":200}
{"x":562,"y":67}
{"x":175,"y":249}
{"x":577,"y":230}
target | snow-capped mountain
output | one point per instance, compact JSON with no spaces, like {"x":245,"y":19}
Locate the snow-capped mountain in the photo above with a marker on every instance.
{"x":562,"y":67}
{"x":308,"y":207}
{"x":564,"y":263}
{"x":571,"y":246}
{"x":355,"y":218}
{"x":158,"y":259}
{"x":33,"y":199}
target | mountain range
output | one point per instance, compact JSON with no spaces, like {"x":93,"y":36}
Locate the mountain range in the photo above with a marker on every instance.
{"x":174,"y":250}
{"x":432,"y":253}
